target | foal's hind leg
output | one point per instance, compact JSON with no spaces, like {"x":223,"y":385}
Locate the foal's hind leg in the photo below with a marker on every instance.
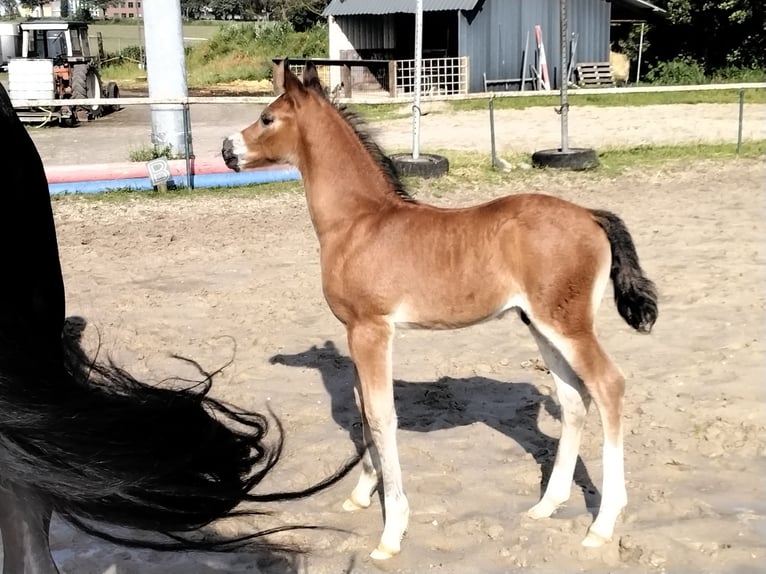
{"x":368,"y":480}
{"x":604,"y":382}
{"x":25,"y":522}
{"x":574,"y":400}
{"x":371,"y":347}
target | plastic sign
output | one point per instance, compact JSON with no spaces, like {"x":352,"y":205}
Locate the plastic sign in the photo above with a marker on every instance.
{"x":159,"y":171}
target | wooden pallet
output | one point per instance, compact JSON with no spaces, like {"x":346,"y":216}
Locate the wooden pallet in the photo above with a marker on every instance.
{"x":595,"y":75}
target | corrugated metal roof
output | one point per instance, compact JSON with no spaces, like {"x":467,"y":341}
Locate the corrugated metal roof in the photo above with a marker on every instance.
{"x":356,"y":7}
{"x":643,"y":4}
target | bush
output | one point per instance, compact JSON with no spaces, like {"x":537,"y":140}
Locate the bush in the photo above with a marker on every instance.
{"x":244,"y":51}
{"x":148,"y":153}
{"x":681,"y":71}
{"x":738,"y":74}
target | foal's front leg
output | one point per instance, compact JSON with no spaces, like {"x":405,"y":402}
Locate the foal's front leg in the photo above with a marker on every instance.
{"x":371,"y":344}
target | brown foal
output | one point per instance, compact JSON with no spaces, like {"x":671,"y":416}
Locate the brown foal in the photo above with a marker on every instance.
{"x":388,"y":260}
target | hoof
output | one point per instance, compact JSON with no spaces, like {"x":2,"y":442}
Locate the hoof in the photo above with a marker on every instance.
{"x":352,"y":503}
{"x":595,"y":540}
{"x":542,"y":509}
{"x":383,"y":552}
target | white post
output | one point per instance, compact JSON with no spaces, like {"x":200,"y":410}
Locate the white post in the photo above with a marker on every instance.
{"x":165,"y":70}
{"x":640,"y":49}
{"x":418,"y":73}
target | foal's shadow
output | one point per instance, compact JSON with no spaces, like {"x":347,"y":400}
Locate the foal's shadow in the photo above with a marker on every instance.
{"x":511,"y":409}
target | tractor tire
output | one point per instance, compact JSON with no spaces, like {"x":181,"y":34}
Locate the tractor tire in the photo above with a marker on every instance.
{"x":111,"y":91}
{"x":86,"y":83}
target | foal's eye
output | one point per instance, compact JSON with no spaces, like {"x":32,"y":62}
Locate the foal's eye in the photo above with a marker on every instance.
{"x":267,"y":120}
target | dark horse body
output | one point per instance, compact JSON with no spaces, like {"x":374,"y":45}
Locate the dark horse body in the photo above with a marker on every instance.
{"x":87,"y":440}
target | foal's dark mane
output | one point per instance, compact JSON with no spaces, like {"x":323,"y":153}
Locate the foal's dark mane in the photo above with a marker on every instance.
{"x":384,"y":162}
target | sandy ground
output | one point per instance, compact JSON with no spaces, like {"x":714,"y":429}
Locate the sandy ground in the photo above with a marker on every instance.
{"x":478,"y":424}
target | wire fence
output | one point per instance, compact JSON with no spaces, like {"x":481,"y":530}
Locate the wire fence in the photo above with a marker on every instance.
{"x":122,"y":138}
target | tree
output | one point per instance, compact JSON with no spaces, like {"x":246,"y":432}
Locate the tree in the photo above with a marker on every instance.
{"x":302,"y":14}
{"x":33,"y":4}
{"x":193,"y":9}
{"x":9,"y":8}
{"x":226,"y":9}
{"x":714,"y":33}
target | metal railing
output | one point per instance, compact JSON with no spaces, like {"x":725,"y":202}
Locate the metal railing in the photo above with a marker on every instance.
{"x":439,"y":77}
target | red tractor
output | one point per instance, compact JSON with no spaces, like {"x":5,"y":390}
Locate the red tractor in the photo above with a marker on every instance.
{"x":56,"y":63}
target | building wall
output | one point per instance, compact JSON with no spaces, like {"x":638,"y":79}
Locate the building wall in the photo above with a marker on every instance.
{"x":126,"y":9}
{"x":359,"y":37}
{"x":495,"y":37}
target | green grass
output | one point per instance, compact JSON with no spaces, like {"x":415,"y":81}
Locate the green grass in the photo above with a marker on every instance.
{"x":244,"y":192}
{"x":752,"y":96}
{"x":474,"y":169}
{"x":120,"y":36}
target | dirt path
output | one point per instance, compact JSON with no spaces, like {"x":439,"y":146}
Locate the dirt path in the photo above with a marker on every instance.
{"x":477,"y":419}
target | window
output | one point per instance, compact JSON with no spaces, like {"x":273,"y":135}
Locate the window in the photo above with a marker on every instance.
{"x":122,"y":4}
{"x":131,"y":15}
{"x":130,"y":4}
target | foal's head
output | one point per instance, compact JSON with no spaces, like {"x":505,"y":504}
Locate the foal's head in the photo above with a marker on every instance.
{"x":273,"y":138}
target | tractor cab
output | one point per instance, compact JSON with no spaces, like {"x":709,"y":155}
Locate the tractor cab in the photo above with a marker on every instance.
{"x":55,"y":40}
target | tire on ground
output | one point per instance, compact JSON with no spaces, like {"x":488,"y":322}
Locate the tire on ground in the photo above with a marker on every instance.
{"x":86,"y":83}
{"x":427,"y":165}
{"x":111,"y":91}
{"x":575,"y":158}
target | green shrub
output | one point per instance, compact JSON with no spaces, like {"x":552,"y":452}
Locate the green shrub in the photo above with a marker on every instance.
{"x":737,"y":74}
{"x":681,"y":71}
{"x":148,"y":153}
{"x":244,"y":51}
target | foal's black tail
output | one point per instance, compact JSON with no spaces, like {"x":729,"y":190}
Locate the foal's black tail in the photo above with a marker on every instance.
{"x":634,"y":293}
{"x":100,"y":446}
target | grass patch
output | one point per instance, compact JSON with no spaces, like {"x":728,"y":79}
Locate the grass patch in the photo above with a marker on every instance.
{"x":472,"y":169}
{"x":119,"y":36}
{"x":752,"y":96}
{"x":150,"y":152}
{"x":244,"y":192}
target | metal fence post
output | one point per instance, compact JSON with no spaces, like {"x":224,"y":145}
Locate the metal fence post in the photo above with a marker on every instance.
{"x":741,"y":113}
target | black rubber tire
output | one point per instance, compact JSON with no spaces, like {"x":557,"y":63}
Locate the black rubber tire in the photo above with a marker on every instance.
{"x":574,"y":159}
{"x":84,"y":76}
{"x":111,"y":91}
{"x":427,"y":165}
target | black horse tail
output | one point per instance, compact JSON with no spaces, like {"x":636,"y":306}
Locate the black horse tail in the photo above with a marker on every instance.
{"x":102,"y":447}
{"x":634,"y":293}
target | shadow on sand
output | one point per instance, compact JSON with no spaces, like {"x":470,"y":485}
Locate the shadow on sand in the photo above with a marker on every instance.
{"x":511,"y":409}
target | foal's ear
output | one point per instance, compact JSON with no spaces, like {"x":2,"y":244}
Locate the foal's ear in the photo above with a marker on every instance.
{"x":311,"y":78}
{"x":289,"y":81}
{"x":286,"y":81}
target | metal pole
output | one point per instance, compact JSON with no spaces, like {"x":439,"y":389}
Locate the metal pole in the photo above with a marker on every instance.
{"x":640,"y":51}
{"x":741,"y":113}
{"x":492,"y":128}
{"x":166,"y":70}
{"x":564,"y":80}
{"x":418,"y":72}
{"x":188,"y":148}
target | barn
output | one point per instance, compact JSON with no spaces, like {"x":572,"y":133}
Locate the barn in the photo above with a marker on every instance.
{"x":473,"y":39}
